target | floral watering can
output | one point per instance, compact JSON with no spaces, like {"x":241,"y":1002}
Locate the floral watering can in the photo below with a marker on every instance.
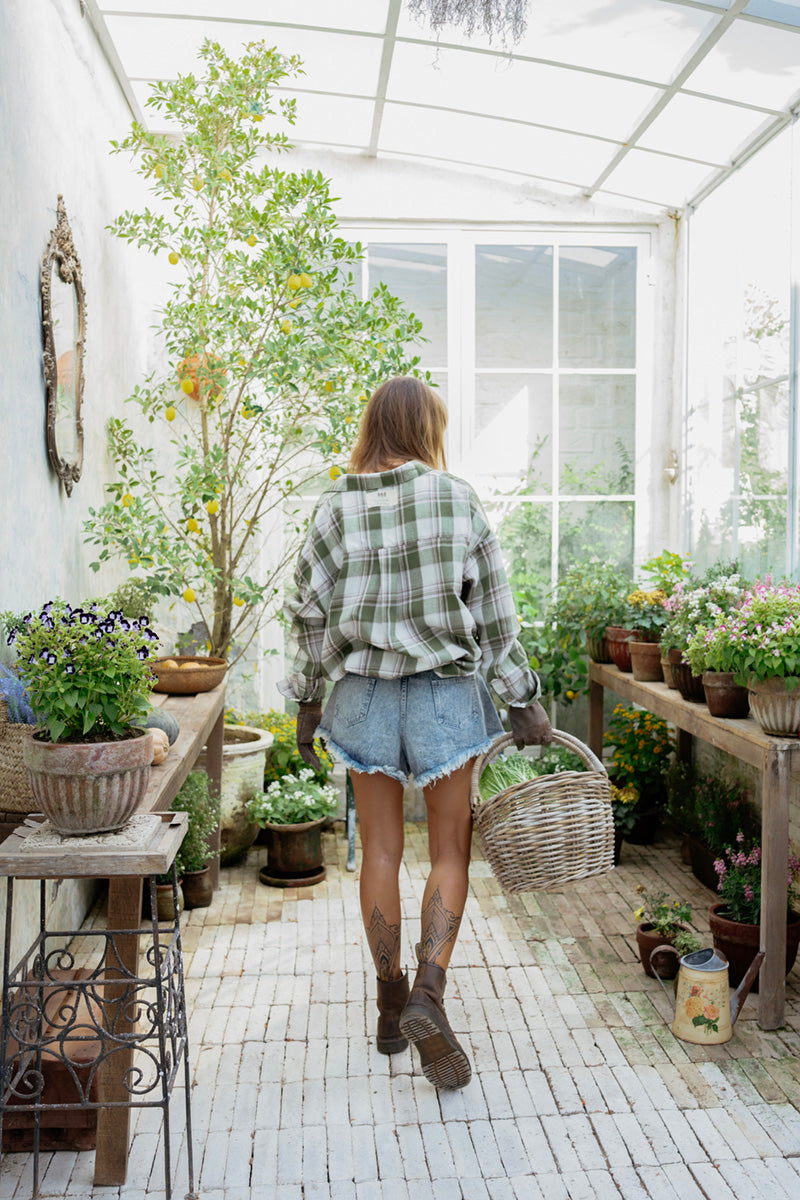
{"x":705,"y":1012}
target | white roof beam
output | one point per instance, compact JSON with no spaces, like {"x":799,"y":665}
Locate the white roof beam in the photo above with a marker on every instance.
{"x":389,"y":43}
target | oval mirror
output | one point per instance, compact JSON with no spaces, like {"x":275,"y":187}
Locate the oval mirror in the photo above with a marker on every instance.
{"x":64,"y":328}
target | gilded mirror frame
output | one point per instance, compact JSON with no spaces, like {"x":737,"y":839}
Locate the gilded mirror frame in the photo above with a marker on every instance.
{"x":61,"y":256}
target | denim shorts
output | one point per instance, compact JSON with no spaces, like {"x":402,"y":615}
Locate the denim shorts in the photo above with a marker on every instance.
{"x":418,"y":725}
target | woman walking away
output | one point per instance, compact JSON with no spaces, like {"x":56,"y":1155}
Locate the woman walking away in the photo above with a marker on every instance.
{"x":402,"y":601}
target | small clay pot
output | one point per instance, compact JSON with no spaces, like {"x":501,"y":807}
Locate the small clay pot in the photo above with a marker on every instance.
{"x":647,"y":939}
{"x":646,"y":662}
{"x":725,"y":697}
{"x":619,"y":646}
{"x":688,"y":684}
{"x":597,"y":649}
{"x":198,"y":890}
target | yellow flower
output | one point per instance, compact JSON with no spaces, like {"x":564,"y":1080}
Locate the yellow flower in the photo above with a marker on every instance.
{"x":637,"y":916}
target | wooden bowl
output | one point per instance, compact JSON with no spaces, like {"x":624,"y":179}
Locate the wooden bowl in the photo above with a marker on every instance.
{"x":193,"y":674}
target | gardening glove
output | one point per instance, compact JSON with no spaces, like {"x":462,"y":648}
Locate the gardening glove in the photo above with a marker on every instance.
{"x":308,"y":718}
{"x":530,"y":726}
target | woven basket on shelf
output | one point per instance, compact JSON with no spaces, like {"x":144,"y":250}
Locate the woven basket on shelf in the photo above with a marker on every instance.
{"x":548,"y":830}
{"x":15,"y":783}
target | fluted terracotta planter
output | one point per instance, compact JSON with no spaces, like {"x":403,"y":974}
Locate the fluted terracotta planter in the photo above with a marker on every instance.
{"x":775,"y":704}
{"x":597,"y":649}
{"x":646,"y":662}
{"x":619,"y":646}
{"x":89,"y":787}
{"x":725,"y":697}
{"x":741,"y":942}
{"x":688,"y":684}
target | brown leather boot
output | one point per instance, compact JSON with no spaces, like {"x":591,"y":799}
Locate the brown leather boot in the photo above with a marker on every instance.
{"x":423,"y":1021}
{"x":392,"y":998}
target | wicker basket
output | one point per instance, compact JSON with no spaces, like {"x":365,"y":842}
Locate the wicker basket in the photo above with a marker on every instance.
{"x":546,"y":831}
{"x":15,"y":782}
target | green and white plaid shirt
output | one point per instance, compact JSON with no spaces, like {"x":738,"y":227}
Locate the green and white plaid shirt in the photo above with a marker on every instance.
{"x":401,"y":573}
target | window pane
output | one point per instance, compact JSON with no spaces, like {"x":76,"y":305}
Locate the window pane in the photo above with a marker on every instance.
{"x":524,"y":530}
{"x":513,"y":306}
{"x":417,"y":274}
{"x":602,"y":528}
{"x":597,"y":306}
{"x":513,"y":428}
{"x":597,"y":418}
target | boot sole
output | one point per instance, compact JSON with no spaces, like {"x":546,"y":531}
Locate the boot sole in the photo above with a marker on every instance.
{"x":444,"y":1063}
{"x":391,"y":1045}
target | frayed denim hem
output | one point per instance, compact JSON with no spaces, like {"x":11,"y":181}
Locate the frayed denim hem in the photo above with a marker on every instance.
{"x":447,"y":768}
{"x":353,"y":764}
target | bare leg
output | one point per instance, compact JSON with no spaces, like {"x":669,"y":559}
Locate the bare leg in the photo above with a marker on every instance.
{"x":379,"y":804}
{"x":449,"y":844}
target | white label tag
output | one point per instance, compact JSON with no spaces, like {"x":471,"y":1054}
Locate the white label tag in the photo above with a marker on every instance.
{"x":382,"y":496}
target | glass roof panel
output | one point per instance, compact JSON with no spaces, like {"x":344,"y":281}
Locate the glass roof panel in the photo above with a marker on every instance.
{"x":151,"y":48}
{"x":787,"y":11}
{"x":751,"y":63}
{"x":705,"y":129}
{"x":369,"y":15}
{"x":481,"y":140}
{"x":656,"y":177}
{"x":641,"y":38}
{"x":528,"y":91}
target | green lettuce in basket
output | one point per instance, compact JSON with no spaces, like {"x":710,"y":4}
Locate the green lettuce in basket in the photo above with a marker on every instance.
{"x":518,"y":768}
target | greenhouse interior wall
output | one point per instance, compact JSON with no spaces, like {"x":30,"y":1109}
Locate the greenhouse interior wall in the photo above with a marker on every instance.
{"x":647,"y":375}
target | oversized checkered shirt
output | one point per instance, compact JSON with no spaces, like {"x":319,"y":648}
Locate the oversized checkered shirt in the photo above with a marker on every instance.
{"x":401,"y":573}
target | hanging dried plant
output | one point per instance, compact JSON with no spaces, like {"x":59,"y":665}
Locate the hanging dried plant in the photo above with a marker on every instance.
{"x":504,"y":19}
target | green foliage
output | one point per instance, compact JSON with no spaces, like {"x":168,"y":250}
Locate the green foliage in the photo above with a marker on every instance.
{"x":623,"y":808}
{"x":759,"y":637}
{"x":739,"y":873}
{"x":85,"y":673}
{"x":271,"y":353}
{"x":695,"y":603}
{"x":642,"y":746}
{"x":283,"y":757}
{"x":709,"y":807}
{"x":195,"y":799}
{"x":665,"y":916}
{"x":646,"y":614}
{"x":666,"y":570}
{"x":293,"y":800}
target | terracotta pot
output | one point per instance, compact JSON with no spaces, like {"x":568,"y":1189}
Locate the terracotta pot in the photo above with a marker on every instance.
{"x":701,"y":860}
{"x":775,"y":704}
{"x":198,"y":890}
{"x":295,"y":855}
{"x":666,"y":669}
{"x":165,"y":902}
{"x":89,"y":787}
{"x":597,"y":648}
{"x":740,"y":942}
{"x":619,"y":647}
{"x":725,"y":697}
{"x":647,"y":940}
{"x":646,"y":662}
{"x":689,"y":685}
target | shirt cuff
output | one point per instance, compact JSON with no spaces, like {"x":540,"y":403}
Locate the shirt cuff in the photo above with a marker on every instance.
{"x":302,"y":690}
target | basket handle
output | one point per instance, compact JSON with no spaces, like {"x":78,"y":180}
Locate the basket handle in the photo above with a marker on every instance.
{"x":560,"y":738}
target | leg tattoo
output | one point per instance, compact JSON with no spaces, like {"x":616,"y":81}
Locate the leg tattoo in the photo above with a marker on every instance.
{"x":439,"y":928}
{"x":384,"y":945}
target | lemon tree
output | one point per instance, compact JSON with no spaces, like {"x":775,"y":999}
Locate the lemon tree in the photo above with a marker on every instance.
{"x":270,"y":351}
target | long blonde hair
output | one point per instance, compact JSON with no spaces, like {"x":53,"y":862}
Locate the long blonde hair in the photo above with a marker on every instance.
{"x":403,"y":419}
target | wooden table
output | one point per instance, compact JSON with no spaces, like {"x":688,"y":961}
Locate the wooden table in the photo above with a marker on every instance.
{"x":200,"y":718}
{"x":774,"y":757}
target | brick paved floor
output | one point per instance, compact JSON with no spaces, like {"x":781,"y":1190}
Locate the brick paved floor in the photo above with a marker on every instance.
{"x":580,"y":1090}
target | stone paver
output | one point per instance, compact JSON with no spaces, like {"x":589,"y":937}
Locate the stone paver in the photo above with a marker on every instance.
{"x":579,"y":1091}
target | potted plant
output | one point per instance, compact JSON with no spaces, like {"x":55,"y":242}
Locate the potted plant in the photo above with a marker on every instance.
{"x":623,"y":812}
{"x":708,"y":810}
{"x":588,"y":598}
{"x":736,"y":920}
{"x":647,"y":618}
{"x":695,"y":604}
{"x":759,"y":643}
{"x":641,"y":748}
{"x":293,"y":810}
{"x":663,"y":922}
{"x":87,"y":675}
{"x":195,"y":854}
{"x":269,"y":351}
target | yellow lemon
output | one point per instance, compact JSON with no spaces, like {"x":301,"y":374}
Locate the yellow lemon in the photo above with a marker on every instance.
{"x":192,"y":525}
{"x":198,"y":183}
{"x":187,"y":386}
{"x":363,"y":396}
{"x":335,"y":472}
{"x":293,"y":282}
{"x":225,"y":174}
{"x":571,"y":695}
{"x":247,"y":412}
{"x":349,"y":418}
{"x":329,"y":385}
{"x":171,"y":413}
{"x":251,"y":241}
{"x":174,"y":257}
{"x":127,"y":499}
{"x":159,"y":171}
{"x":212,"y":507}
{"x":286,"y":326}
{"x":293,"y":303}
{"x":238,"y":601}
{"x":188,"y":595}
{"x":305,"y":280}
